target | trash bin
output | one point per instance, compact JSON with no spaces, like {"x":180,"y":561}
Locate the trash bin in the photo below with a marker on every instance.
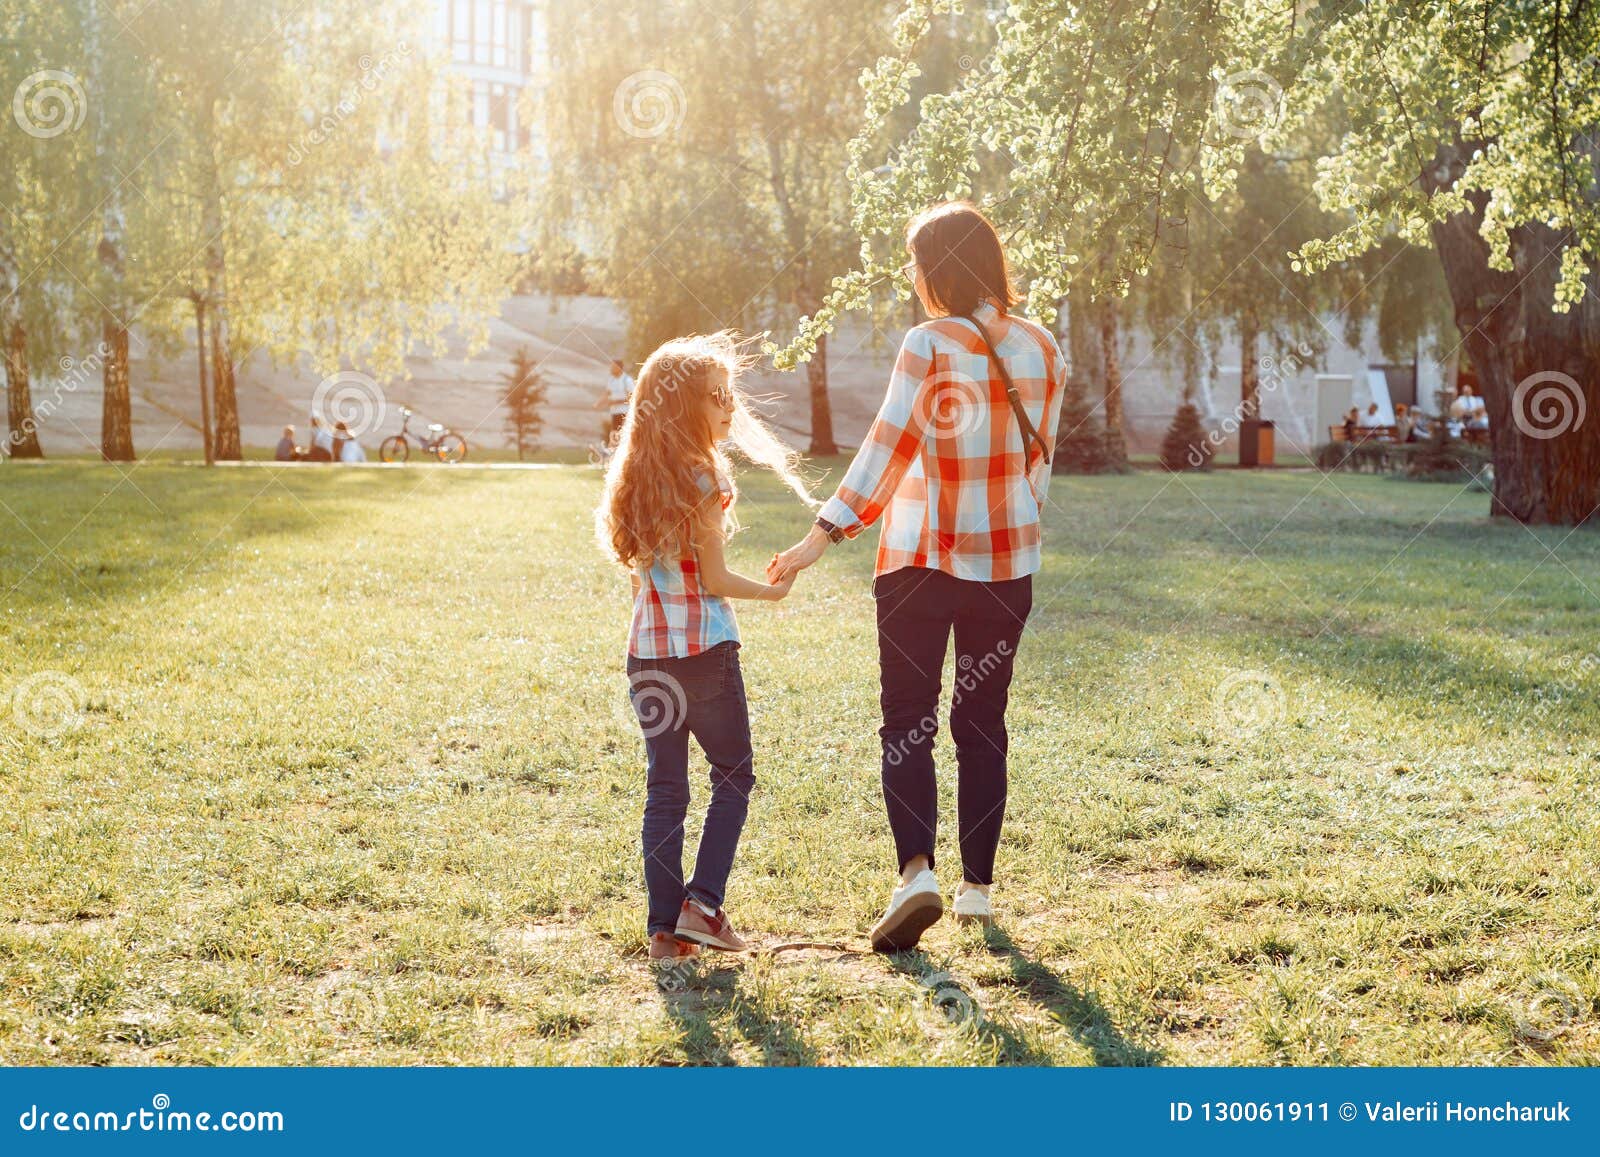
{"x":1249,"y":442}
{"x":1256,"y":443}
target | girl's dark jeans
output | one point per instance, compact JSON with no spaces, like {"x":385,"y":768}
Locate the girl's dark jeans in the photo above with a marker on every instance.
{"x":918,"y":608}
{"x":700,"y":696}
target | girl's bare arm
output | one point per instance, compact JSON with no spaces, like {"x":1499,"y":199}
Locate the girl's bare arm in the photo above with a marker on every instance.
{"x":717,"y":579}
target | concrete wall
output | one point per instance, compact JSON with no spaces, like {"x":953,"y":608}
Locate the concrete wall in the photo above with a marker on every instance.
{"x":575,"y":338}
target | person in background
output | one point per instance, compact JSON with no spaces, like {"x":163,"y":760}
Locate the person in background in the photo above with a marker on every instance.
{"x":1404,"y":425}
{"x":1370,"y":420}
{"x":287,"y":451}
{"x":1468,"y":412}
{"x":1351,"y":421}
{"x":1455,"y":426}
{"x":321,"y":448}
{"x":619,"y":388}
{"x":348,"y":449}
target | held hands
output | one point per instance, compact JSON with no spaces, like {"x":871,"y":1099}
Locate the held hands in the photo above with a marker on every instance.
{"x":799,"y":556}
{"x":779,"y":589}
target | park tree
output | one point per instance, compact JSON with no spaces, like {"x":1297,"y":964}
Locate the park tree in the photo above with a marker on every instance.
{"x":271,"y":177}
{"x":45,"y":257}
{"x":1080,"y":438}
{"x":713,"y":177}
{"x":108,"y":75}
{"x":338,"y":219}
{"x":1471,"y":128}
{"x":1226,"y":265}
{"x":524,"y":399}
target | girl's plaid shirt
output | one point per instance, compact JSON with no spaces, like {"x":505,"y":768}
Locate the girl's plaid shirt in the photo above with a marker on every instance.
{"x":673,"y":617}
{"x":946,"y":464}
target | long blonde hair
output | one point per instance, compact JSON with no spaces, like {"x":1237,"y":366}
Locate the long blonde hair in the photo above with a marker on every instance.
{"x":654,"y":501}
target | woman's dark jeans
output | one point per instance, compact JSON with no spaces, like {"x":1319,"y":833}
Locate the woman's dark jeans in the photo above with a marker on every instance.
{"x":918,"y":608}
{"x":702,"y":696}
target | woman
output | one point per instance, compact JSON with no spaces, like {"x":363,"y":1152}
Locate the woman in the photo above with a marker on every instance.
{"x":321,"y":448}
{"x":345,"y":447}
{"x":957,"y":465}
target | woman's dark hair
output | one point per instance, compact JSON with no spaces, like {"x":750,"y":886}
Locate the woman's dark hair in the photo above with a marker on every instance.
{"x":961,"y":258}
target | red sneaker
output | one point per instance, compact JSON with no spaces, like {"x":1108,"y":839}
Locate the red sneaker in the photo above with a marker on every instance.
{"x":666,"y":946}
{"x":713,"y":931}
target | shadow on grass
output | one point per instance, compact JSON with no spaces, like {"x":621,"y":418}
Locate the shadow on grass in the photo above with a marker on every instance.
{"x":1079,"y":1012}
{"x":702,"y":999}
{"x":958,"y":1006}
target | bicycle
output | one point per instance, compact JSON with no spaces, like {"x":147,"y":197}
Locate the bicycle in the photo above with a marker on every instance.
{"x":444,"y":444}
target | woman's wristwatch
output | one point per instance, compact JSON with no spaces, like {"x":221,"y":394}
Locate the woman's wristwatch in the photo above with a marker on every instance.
{"x":833,"y":532}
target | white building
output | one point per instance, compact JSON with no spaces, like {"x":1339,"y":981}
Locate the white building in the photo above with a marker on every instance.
{"x":500,"y":47}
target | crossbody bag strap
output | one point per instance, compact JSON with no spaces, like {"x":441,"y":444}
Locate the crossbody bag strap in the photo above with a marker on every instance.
{"x":1030,"y":432}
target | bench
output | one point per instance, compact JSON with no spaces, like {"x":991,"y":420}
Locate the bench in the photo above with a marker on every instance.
{"x":1364,"y":434}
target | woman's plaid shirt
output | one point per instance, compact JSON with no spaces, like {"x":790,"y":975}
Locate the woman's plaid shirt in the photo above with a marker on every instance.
{"x":946,"y":463}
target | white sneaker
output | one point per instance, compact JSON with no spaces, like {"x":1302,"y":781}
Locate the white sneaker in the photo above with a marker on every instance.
{"x":913,"y":908}
{"x":972,"y":907}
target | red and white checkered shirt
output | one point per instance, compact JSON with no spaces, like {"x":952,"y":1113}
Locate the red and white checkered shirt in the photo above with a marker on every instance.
{"x":673,"y":616}
{"x":946,"y":462}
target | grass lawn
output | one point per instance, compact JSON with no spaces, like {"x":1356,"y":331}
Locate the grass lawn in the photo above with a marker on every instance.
{"x":321,"y":766}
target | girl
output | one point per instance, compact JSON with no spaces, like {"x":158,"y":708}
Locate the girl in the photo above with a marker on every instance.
{"x":666,"y":512}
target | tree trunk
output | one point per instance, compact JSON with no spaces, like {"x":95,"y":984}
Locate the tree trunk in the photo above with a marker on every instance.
{"x":116,"y":402}
{"x":1191,"y":344}
{"x":821,"y":412}
{"x":225,"y":441}
{"x":1249,"y":367}
{"x":1082,"y":344}
{"x":1537,"y":368}
{"x":1207,"y":381}
{"x":200,"y":359}
{"x":116,"y":410}
{"x":1116,"y":442}
{"x":24,"y":433}
{"x":24,"y":439}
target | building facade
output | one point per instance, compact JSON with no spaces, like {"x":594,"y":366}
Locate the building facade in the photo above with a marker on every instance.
{"x":499,"y":48}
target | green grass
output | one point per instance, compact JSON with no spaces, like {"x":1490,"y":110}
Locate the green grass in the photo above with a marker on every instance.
{"x":1303,"y":771}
